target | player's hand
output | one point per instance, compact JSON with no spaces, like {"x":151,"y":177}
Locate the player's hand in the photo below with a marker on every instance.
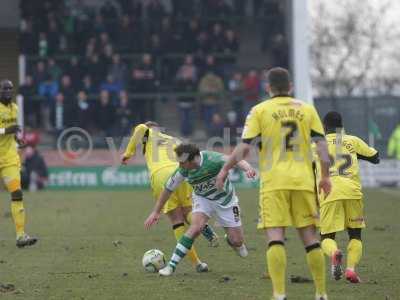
{"x":325,"y":186}
{"x":221,"y":177}
{"x":13,"y":129}
{"x":251,"y":173}
{"x":152,"y":220}
{"x":21,"y":143}
{"x":124,"y":160}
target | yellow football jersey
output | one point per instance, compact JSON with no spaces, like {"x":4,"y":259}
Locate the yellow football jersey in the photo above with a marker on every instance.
{"x":284,"y":127}
{"x":158,"y":148}
{"x":8,"y":146}
{"x":344,"y":151}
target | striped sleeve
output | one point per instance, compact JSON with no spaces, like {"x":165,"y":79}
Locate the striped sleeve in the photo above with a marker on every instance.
{"x":175,"y":180}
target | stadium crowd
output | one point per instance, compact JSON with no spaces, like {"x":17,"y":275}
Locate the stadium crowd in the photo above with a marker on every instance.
{"x":102,"y":67}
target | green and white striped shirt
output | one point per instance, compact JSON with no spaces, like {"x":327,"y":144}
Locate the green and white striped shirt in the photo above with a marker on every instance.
{"x":203,"y":179}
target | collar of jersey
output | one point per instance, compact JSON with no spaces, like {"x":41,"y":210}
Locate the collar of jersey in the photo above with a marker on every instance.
{"x":280,"y":97}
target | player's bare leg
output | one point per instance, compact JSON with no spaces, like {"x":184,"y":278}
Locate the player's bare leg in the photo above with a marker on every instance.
{"x":208,"y":232}
{"x":177,"y":219}
{"x":276,"y":261}
{"x":199,"y":220}
{"x":235,"y":239}
{"x":315,"y":259}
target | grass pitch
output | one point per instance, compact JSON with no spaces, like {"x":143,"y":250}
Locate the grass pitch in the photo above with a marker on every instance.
{"x":91,"y":246}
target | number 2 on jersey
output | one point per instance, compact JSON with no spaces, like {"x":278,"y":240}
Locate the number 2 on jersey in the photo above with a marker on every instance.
{"x":291,"y":133}
{"x":345,"y":163}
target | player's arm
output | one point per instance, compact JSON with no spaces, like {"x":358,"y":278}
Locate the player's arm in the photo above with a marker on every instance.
{"x":364,"y":152}
{"x":318,"y":136}
{"x":136,"y":138}
{"x":171,"y":185}
{"x":251,"y":132}
{"x":244,"y":166}
{"x":13,"y":129}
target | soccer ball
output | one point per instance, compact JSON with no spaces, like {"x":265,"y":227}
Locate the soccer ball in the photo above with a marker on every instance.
{"x":153,"y":260}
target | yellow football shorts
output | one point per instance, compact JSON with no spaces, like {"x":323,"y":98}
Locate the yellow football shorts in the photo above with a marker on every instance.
{"x":11,"y":176}
{"x":282,"y":208}
{"x":181,"y":197}
{"x":341,"y":214}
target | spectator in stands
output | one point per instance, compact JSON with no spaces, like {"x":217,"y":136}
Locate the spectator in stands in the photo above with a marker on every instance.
{"x":27,"y":39}
{"x":183,"y":8}
{"x":252,"y":90}
{"x":168,"y":35}
{"x":211,"y":87}
{"x":105,"y":114}
{"x":188,"y":69}
{"x":40,"y":74}
{"x":53,"y":69}
{"x":231,"y":48}
{"x":155,"y":48}
{"x":129,"y":36}
{"x":31,"y":106}
{"x":74,"y":71}
{"x":106,"y":57}
{"x":190,"y":35}
{"x":263,"y":83}
{"x":87,"y":85}
{"x":131,"y":7}
{"x":210,"y":65}
{"x":43,"y":45}
{"x":216,"y":8}
{"x":123,"y":115}
{"x":186,"y":82}
{"x":69,"y":101}
{"x":34,"y":170}
{"x":274,"y":22}
{"x":53,"y":38}
{"x":237,"y":92}
{"x":144,"y":80}
{"x":203,"y":43}
{"x":84,"y":111}
{"x":154,"y":10}
{"x":96,"y":69}
{"x":217,"y":39}
{"x":118,"y":70}
{"x":239,"y":7}
{"x":216,"y":127}
{"x":393,"y":147}
{"x":99,"y":25}
{"x":48,"y":89}
{"x":111,"y":86}
{"x":104,"y":40}
{"x":280,"y":51}
{"x":233,"y":124}
{"x":108,"y":11}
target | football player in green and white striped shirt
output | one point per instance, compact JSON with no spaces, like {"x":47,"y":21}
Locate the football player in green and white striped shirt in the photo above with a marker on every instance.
{"x":200,"y":169}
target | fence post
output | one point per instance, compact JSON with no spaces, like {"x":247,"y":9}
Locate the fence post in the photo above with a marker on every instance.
{"x":20,"y":103}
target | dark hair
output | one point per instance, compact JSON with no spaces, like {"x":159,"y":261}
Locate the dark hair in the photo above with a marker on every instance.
{"x":187,"y":152}
{"x":333,"y":120}
{"x":279,"y":80}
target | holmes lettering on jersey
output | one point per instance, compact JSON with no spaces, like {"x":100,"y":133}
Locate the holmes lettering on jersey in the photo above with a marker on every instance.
{"x":288,"y":113}
{"x":9,"y":121}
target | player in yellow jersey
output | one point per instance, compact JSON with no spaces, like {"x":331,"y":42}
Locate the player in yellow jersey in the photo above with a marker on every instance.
{"x":10,"y":165}
{"x":284,"y":127}
{"x":158,"y":149}
{"x":343,"y":207}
